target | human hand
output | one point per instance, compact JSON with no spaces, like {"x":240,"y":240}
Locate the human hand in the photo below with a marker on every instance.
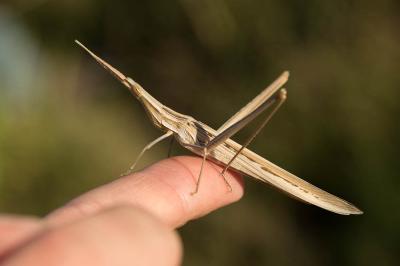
{"x":130,"y":221}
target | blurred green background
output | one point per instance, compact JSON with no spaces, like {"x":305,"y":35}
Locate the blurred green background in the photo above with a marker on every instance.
{"x":67,"y":126}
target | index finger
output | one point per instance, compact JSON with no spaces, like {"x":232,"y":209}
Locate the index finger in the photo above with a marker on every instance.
{"x":163,"y":189}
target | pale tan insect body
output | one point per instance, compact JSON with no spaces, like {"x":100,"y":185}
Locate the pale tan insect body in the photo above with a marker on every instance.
{"x":217,"y":146}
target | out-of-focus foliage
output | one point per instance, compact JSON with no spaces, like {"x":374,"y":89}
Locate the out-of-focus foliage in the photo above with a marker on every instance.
{"x":66,"y":126}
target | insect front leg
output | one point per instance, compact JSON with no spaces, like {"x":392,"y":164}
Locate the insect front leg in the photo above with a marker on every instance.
{"x":147,"y":147}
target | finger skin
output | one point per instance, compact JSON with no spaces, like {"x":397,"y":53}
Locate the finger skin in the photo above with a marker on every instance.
{"x":118,"y":236}
{"x":163,"y":189}
{"x":15,"y":230}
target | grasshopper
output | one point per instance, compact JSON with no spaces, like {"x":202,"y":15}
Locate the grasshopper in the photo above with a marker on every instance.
{"x":216,"y":145}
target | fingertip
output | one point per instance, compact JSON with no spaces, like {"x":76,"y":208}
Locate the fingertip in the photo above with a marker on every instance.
{"x":181,"y":173}
{"x":163,"y":189}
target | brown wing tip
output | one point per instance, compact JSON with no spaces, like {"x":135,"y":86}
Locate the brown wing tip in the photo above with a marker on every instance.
{"x":348,"y":209}
{"x":355,"y":210}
